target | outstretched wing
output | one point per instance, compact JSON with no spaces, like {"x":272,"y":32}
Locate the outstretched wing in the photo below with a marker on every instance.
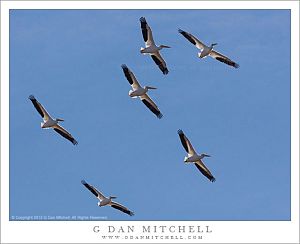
{"x":147,"y":33}
{"x":186,"y":143}
{"x":192,"y":39}
{"x":41,"y":110}
{"x":121,"y":208}
{"x":130,"y":77}
{"x":60,"y":130}
{"x":160,"y":62}
{"x":222,"y":58}
{"x":204,"y":170}
{"x":151,"y":105}
{"x":93,"y":190}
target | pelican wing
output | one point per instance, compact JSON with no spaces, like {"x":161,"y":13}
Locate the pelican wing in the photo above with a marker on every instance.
{"x":60,"y":130}
{"x":205,"y":171}
{"x":93,"y":190}
{"x":186,"y":143}
{"x":151,"y":105}
{"x":222,"y":58}
{"x":130,"y":77}
{"x":121,"y":208}
{"x":147,"y":33}
{"x":39,"y":108}
{"x":192,"y":39}
{"x":160,"y":62}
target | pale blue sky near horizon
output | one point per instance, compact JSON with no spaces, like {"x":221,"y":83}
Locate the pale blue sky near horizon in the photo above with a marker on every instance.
{"x":70,"y":60}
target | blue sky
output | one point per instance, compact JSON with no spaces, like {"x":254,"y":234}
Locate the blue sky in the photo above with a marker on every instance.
{"x":71,"y":61}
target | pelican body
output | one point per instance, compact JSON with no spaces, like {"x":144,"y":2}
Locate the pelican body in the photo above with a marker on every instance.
{"x":140,"y":91}
{"x":206,"y":51}
{"x":47,"y":124}
{"x":195,"y":158}
{"x":104,"y":201}
{"x":152,"y":49}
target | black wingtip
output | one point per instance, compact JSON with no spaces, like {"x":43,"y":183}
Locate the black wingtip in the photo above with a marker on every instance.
{"x":125,"y":68}
{"x":160,"y":115}
{"x":180,"y":132}
{"x":75,"y":142}
{"x":31,"y":97}
{"x":143,"y":19}
{"x":165,"y":71}
{"x":131,"y":213}
{"x":213,"y":179}
{"x":83,"y":182}
{"x":228,"y":62}
{"x":180,"y":31}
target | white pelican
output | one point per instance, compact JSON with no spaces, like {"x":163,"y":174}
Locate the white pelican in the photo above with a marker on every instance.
{"x":194,"y":157}
{"x":51,"y":123}
{"x":140,"y":92}
{"x":207,"y":51}
{"x":151,"y":48}
{"x":106,"y":200}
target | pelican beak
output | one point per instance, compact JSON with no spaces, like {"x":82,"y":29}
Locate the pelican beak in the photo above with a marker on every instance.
{"x":151,"y":87}
{"x":165,"y":46}
{"x":113,"y":197}
{"x":206,"y":155}
{"x":214,"y":44}
{"x":60,"y":120}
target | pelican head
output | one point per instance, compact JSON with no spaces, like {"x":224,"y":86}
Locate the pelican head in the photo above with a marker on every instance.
{"x":59,"y":120}
{"x":150,"y":87}
{"x":112,"y":197}
{"x":213,"y":44}
{"x":204,"y":155}
{"x":163,"y":46}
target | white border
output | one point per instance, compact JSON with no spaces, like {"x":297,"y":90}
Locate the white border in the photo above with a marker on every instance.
{"x":82,"y":232}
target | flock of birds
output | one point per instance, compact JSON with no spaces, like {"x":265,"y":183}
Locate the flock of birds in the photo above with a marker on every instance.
{"x":141,"y":92}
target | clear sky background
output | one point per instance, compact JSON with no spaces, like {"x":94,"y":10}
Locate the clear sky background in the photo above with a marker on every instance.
{"x":71,"y":62}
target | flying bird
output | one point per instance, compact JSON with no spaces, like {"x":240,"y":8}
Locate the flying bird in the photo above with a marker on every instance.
{"x":141,"y":92}
{"x":193,"y":157}
{"x":151,"y":48}
{"x":103,"y":201}
{"x":49,"y":122}
{"x":208,"y":50}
